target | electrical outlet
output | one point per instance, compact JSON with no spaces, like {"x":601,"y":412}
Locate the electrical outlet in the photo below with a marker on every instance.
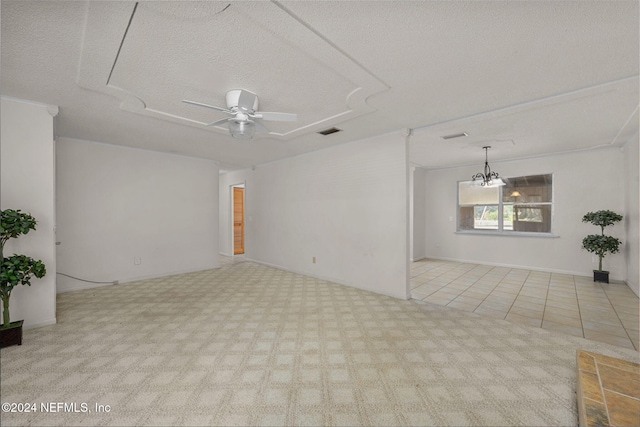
{"x":137,"y":260}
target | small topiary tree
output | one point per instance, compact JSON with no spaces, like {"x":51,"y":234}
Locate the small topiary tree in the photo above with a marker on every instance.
{"x":16,"y":269}
{"x":601,"y":244}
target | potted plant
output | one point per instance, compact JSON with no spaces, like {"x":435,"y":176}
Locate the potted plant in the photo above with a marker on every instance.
{"x":601,"y":244}
{"x":15,"y":270}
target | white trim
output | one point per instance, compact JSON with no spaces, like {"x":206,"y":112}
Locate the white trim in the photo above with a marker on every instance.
{"x":81,"y":286}
{"x":49,"y":322}
{"x":524,"y":267}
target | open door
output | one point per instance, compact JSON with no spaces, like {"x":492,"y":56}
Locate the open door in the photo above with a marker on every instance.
{"x":238,"y":220}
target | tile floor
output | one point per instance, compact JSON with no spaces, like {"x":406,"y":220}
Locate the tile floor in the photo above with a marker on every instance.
{"x":573,"y":305}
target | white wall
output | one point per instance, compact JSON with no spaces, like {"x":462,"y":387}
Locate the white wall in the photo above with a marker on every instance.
{"x":632,"y":207}
{"x":27,"y":168}
{"x":582,"y":182}
{"x":418,"y":205}
{"x":347,"y":206}
{"x":115,"y":204}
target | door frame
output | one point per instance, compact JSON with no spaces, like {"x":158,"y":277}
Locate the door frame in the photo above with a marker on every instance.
{"x":242,"y":185}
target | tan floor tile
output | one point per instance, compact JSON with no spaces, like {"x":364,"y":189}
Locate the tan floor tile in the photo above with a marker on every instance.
{"x":562,"y":311}
{"x":468,"y":300}
{"x":481,"y":289}
{"x":504,"y":293}
{"x":470,"y":293}
{"x":437,"y":300}
{"x":562,"y":296}
{"x":496,"y":314}
{"x":500,"y":299}
{"x":419,"y":295}
{"x":528,"y":305}
{"x":593,"y":302}
{"x":565,"y":329}
{"x":527,"y":312}
{"x":462,"y":306}
{"x":571,"y":306}
{"x":496,"y":305}
{"x":610,"y":339}
{"x":603,"y":311}
{"x":514,"y":317}
{"x":629,"y":320}
{"x":563,"y":320}
{"x":610,"y":319}
{"x":535,"y":284}
{"x":631,"y":311}
{"x":636,"y":341}
{"x":603,"y":328}
{"x":458,"y":289}
{"x":558,"y":301}
{"x":531,"y":298}
{"x":446,"y":293}
{"x":531,"y":294}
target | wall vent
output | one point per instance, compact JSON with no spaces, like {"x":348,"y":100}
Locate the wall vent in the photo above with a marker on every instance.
{"x":455,"y":135}
{"x":329,"y":131}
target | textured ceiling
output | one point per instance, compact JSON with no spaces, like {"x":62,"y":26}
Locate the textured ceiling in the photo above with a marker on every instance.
{"x":527,"y":77}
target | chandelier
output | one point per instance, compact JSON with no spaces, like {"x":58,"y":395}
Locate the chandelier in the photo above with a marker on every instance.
{"x":488,"y":178}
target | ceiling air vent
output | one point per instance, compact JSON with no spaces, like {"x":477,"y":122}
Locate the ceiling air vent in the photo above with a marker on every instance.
{"x":329,"y":131}
{"x":455,"y":135}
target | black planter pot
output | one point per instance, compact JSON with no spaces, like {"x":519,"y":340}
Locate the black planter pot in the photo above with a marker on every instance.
{"x":11,"y":335}
{"x":600,"y":276}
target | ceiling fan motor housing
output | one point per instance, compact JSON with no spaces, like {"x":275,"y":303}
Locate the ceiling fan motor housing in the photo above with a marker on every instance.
{"x":234,"y":95}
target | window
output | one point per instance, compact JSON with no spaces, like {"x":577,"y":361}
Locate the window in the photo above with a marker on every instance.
{"x":524,"y":204}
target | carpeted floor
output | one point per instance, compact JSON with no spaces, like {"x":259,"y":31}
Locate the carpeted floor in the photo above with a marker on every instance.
{"x":247,"y":344}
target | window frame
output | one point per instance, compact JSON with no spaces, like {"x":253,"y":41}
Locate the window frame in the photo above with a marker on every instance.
{"x":501,"y":206}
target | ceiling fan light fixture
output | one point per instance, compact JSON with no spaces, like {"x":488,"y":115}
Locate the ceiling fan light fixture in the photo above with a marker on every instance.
{"x":242,"y":129}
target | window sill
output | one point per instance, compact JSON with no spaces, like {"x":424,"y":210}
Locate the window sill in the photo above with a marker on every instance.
{"x":507,"y":234}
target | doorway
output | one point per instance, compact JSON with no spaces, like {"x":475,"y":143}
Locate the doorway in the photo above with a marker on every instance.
{"x":238,"y":219}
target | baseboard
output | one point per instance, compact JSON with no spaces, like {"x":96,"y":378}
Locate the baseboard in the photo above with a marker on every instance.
{"x":526,"y":267}
{"x":49,"y":322}
{"x":82,"y":286}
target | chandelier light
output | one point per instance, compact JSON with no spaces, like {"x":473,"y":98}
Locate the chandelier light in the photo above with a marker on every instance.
{"x":488,"y":178}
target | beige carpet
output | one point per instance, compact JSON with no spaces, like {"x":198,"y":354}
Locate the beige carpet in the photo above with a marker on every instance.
{"x":247,"y":344}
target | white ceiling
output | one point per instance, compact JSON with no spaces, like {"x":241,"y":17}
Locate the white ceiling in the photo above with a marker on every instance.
{"x":527,"y":77}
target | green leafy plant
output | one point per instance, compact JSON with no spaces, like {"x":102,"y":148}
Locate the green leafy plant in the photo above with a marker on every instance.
{"x":16,"y":269}
{"x":601,"y":244}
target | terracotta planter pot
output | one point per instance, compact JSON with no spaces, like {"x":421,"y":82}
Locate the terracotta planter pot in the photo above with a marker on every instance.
{"x":11,"y":335}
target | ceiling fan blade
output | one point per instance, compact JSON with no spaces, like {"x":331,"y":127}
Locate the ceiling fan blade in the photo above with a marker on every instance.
{"x":219,"y":122}
{"x":260,"y":128}
{"x":277,"y":117}
{"x":213,"y":107}
{"x":246,"y":100}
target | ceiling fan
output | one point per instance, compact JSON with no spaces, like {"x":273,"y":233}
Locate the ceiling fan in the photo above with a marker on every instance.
{"x":245,"y":120}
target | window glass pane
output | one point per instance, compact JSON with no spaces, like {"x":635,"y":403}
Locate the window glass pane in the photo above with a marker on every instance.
{"x":507,"y":217}
{"x":471,"y":193}
{"x":465,"y":218}
{"x":485,"y":217}
{"x":528,"y":189}
{"x":532,"y":218}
